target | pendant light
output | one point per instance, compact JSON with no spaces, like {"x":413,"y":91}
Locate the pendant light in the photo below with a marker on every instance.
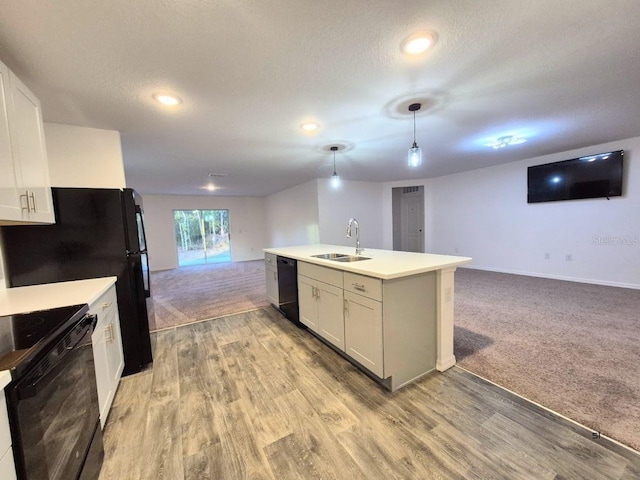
{"x":335,"y":178}
{"x":414,"y":157}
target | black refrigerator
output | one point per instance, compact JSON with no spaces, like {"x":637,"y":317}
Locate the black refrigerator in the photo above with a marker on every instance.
{"x":98,"y":233}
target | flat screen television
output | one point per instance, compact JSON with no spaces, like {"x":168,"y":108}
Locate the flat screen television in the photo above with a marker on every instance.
{"x":593,"y":176}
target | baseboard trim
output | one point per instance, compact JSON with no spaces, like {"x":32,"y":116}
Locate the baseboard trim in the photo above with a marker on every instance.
{"x":555,"y":277}
{"x":446,"y":363}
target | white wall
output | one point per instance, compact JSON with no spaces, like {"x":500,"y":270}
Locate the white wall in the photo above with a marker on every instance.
{"x":292,"y":216}
{"x":484,"y":214}
{"x":360,"y":200}
{"x":246,"y":221}
{"x":84,"y":157}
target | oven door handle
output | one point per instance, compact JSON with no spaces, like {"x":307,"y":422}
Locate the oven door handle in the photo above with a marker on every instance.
{"x":28,"y":388}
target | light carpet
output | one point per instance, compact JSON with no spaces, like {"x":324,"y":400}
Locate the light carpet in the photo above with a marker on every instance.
{"x":572,"y":347}
{"x":188,"y":294}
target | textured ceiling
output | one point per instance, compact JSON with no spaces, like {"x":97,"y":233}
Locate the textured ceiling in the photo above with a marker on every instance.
{"x":565,"y":74}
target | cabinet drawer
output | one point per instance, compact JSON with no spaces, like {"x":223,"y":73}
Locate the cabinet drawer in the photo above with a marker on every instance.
{"x":368,"y":286}
{"x":322,"y":274}
{"x":105,"y":307}
{"x":270,"y":259}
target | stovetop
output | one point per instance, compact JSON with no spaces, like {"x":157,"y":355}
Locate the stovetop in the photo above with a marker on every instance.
{"x":23,"y":335}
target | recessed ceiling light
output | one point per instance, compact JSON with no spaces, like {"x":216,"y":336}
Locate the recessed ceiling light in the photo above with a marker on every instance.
{"x":166,"y":99}
{"x":211,"y":187}
{"x":417,"y":43}
{"x":309,"y":126}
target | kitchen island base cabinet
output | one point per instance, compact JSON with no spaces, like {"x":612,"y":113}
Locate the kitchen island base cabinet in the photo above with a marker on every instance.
{"x":387,"y":327}
{"x":363,"y":331}
{"x":107,"y":350}
{"x":410,"y":328}
{"x":321,"y":304}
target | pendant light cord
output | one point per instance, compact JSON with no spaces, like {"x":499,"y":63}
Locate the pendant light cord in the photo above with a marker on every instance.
{"x":414,"y":127}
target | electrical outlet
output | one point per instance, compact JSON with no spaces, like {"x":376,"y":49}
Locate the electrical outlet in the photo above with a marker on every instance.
{"x":547,"y":256}
{"x":569,"y":257}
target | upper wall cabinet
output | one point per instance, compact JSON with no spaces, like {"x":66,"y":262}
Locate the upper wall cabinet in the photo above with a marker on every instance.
{"x":25,"y":193}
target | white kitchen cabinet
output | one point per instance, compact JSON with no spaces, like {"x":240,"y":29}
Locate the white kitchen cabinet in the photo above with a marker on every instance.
{"x":107,"y":350}
{"x":387,"y":327}
{"x":9,"y":197}
{"x":307,"y":303}
{"x":7,"y":468}
{"x":271,"y":272}
{"x":363,"y":331}
{"x":321,"y":308}
{"x":25,"y":193}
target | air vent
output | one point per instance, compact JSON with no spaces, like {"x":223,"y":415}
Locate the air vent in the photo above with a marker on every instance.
{"x":410,"y":189}
{"x":217,"y":175}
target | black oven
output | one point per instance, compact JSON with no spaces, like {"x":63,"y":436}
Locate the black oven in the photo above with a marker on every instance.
{"x":53,"y":399}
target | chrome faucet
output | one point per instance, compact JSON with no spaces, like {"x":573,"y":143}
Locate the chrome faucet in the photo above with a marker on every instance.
{"x":352,"y":221}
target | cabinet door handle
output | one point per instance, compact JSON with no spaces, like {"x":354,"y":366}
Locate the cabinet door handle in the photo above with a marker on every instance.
{"x":345,"y":306}
{"x":274,"y":276}
{"x":106,"y":305}
{"x":25,"y":195}
{"x":32,"y":197}
{"x":359,"y":287}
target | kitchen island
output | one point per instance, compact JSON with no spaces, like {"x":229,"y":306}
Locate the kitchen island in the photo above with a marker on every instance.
{"x":391,"y":313}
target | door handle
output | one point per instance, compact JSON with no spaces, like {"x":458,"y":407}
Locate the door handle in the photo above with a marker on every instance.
{"x":109,"y":330}
{"x":359,"y":287}
{"x":345,"y":306}
{"x":106,"y":305}
{"x":25,"y":195}
{"x":32,"y":197}
{"x":274,"y":276}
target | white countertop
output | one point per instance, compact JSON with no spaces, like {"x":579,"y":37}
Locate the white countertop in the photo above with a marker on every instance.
{"x":52,"y":295}
{"x":384,"y":264}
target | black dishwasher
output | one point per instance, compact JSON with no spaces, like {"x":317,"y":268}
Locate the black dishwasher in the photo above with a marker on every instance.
{"x":288,"y":289}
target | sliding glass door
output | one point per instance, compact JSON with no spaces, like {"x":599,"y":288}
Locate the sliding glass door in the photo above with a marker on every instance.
{"x":202,"y":236}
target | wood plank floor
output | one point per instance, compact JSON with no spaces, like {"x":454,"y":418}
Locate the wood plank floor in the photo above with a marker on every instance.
{"x":251,"y":396}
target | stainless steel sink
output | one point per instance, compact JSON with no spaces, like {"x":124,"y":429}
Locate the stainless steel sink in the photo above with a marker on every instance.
{"x":351,"y":258}
{"x":331,"y":256}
